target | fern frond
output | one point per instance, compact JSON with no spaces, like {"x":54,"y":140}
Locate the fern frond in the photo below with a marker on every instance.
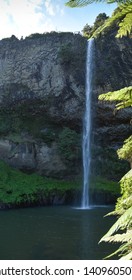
{"x":124,"y":95}
{"x":124,"y":237}
{"x":118,"y":212}
{"x":127,"y":257}
{"x":121,"y":249}
{"x":125,"y":152}
{"x":125,"y":27}
{"x":121,"y":223}
{"x":122,"y":205}
{"x":82,"y":3}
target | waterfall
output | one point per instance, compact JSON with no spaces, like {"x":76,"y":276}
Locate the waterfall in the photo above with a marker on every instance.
{"x":87,"y":125}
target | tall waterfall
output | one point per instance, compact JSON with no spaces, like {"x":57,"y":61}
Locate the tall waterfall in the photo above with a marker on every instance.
{"x":87,"y":125}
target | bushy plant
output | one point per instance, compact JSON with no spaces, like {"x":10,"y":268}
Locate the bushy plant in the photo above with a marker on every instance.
{"x":69,"y":144}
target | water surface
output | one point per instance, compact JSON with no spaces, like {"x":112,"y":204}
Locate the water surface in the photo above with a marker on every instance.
{"x":58,"y":233}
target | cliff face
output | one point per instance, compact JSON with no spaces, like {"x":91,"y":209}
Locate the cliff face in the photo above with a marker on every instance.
{"x":113,"y":71}
{"x":42,"y":97}
{"x":48,"y":71}
{"x":42,"y":90}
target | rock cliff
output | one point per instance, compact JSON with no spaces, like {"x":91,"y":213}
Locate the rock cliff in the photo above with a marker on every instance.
{"x":113,"y":71}
{"x":42,"y":91}
{"x":42,"y":97}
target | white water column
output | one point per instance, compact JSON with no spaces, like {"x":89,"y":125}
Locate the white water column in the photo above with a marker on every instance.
{"x":87,"y":125}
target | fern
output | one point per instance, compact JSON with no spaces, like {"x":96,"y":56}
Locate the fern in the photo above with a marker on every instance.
{"x":82,"y":3}
{"x":121,"y":223}
{"x":124,"y":251}
{"x":125,"y":26}
{"x":124,"y":95}
{"x":127,"y":256}
{"x":124,"y":223}
{"x":126,"y":151}
{"x":122,"y":17}
{"x":124,"y":237}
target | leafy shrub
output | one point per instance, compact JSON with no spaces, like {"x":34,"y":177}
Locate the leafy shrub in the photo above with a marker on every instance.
{"x":69,"y":144}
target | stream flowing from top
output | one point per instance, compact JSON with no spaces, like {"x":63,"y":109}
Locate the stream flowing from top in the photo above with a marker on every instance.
{"x":87,"y":125}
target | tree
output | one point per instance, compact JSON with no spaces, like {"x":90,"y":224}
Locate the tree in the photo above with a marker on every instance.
{"x":99,"y":21}
{"x":123,"y":18}
{"x":87,"y":30}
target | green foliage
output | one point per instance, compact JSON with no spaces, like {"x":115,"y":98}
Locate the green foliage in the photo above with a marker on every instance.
{"x":17,"y":188}
{"x":124,"y":204}
{"x":126,"y":151}
{"x":124,"y":95}
{"x":125,"y":26}
{"x":82,"y":3}
{"x":69,"y":144}
{"x":124,"y":223}
{"x":99,"y":21}
{"x":122,"y":16}
{"x":125,"y":201}
{"x":87,"y":31}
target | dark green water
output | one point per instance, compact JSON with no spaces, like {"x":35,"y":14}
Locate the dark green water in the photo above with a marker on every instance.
{"x":58,"y":233}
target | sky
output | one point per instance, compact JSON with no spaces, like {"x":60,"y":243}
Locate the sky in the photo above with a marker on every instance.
{"x":25,"y":17}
